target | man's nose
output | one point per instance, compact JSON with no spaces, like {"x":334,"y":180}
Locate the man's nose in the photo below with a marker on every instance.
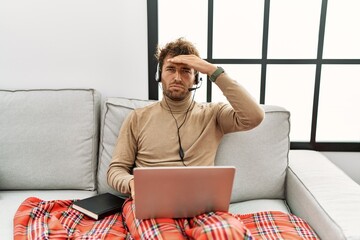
{"x":177,"y":75}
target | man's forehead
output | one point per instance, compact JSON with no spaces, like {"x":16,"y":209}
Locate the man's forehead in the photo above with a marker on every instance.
{"x":167,"y":63}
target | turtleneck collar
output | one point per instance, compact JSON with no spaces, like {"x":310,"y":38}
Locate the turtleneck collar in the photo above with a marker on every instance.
{"x":176,"y":106}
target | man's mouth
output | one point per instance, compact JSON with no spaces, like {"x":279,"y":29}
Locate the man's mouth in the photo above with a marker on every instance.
{"x":179,"y":86}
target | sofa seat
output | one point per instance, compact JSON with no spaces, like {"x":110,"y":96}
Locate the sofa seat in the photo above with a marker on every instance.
{"x":259,"y":205}
{"x":11,"y":200}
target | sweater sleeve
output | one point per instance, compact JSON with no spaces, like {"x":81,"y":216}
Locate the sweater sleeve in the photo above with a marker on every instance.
{"x":120,"y":170}
{"x":243,"y":113}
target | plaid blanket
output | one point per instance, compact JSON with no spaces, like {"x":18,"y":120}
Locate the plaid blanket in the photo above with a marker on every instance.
{"x":38,"y":219}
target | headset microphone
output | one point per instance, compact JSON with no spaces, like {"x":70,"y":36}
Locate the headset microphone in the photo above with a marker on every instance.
{"x":193,"y":88}
{"x":197,"y":87}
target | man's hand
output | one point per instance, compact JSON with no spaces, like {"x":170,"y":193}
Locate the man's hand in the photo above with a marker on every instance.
{"x":195,"y":62}
{"x":132,"y":188}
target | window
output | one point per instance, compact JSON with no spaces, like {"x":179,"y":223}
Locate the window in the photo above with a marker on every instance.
{"x":293,"y":29}
{"x":339,"y":111}
{"x":292,"y":53}
{"x":342,"y":35}
{"x":292,"y":86}
{"x":172,"y":22}
{"x":238,"y":25}
{"x":247,"y":74}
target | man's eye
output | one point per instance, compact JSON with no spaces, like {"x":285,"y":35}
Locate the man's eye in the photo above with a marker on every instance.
{"x":187,"y":71}
{"x":170,"y":69}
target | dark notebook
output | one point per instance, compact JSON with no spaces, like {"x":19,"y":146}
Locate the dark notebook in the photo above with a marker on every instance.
{"x":99,"y":206}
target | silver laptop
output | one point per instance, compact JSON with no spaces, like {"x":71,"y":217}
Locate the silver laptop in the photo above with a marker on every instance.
{"x":182,"y":192}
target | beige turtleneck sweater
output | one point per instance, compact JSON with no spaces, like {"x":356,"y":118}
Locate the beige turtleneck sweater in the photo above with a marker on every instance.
{"x":148,"y":137}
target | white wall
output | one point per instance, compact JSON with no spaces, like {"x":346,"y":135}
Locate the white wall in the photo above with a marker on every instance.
{"x":75,"y":44}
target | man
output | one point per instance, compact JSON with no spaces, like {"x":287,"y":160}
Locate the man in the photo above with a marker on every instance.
{"x":177,"y":131}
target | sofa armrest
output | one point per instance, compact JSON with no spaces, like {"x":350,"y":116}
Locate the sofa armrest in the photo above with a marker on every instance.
{"x":323,"y":195}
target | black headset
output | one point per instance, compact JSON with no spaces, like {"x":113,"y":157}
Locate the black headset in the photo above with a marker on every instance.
{"x":158,"y":75}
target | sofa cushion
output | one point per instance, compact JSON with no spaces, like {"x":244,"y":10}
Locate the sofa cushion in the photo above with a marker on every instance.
{"x":11,"y":200}
{"x":115,"y":111}
{"x":49,"y":139}
{"x":259,"y":205}
{"x":260,"y":157}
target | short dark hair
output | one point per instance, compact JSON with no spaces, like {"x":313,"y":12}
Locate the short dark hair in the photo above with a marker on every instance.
{"x":180,"y":46}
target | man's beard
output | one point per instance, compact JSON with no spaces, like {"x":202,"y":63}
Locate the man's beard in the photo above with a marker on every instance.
{"x":175,"y":96}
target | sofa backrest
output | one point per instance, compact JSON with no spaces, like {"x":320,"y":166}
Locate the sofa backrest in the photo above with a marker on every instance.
{"x":49,"y":139}
{"x":260,"y":155}
{"x":114,"y":112}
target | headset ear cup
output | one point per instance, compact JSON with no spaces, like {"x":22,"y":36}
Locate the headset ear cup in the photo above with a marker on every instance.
{"x":197,"y":79}
{"x":158,"y":74}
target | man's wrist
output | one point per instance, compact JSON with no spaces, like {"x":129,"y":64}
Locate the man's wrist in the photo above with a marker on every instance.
{"x":216,"y":74}
{"x":132,"y":188}
{"x":130,"y":183}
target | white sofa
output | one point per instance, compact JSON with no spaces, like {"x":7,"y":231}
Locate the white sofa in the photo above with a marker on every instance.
{"x":57,"y":144}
